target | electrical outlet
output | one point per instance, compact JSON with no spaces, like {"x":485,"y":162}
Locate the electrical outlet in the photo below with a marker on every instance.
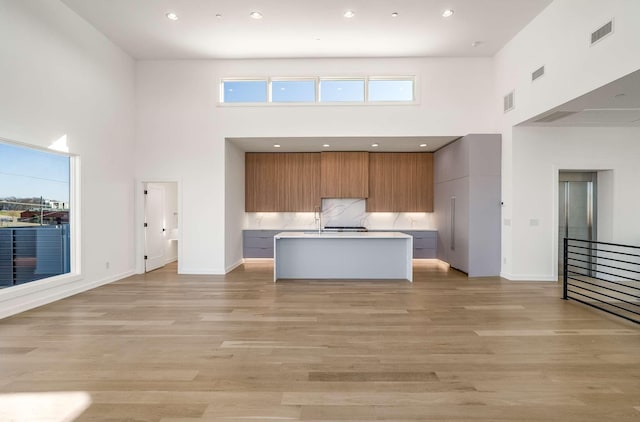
{"x":504,"y":260}
{"x":107,"y":264}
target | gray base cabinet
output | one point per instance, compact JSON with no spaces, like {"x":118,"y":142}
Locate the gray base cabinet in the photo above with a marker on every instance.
{"x":259,"y":243}
{"x":467,"y":204}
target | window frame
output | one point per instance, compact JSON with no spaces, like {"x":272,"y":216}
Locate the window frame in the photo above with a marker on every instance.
{"x":338,"y":78}
{"x":75,"y":248}
{"x":317,"y":80}
{"x":408,"y":78}
{"x":292,"y":79}
{"x":249,"y":79}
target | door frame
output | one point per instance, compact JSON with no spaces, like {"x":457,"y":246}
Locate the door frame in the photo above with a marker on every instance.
{"x":555,"y":189}
{"x":139,"y":216}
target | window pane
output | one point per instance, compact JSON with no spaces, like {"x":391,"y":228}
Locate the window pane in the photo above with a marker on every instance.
{"x":34,"y":215}
{"x":341,"y":90}
{"x":293,"y":91}
{"x":244,"y":91}
{"x":390,"y":90}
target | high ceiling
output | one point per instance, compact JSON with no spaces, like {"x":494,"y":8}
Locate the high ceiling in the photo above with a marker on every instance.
{"x":305,"y":28}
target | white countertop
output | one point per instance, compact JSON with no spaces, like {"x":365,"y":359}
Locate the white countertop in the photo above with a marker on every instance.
{"x":342,"y":235}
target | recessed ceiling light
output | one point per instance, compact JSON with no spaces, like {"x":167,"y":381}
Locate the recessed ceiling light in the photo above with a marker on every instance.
{"x":172,"y":16}
{"x":349,"y":14}
{"x":477,"y":43}
{"x":256,"y":15}
{"x":447,"y":13}
{"x":620,"y":95}
{"x":218,"y":15}
{"x":394,"y":14}
{"x":375,"y":145}
{"x":317,"y":39}
{"x":326,"y":146}
{"x":276,"y":145}
{"x":423,"y":145}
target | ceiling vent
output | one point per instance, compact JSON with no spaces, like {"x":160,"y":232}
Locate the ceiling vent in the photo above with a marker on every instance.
{"x":537,"y":73}
{"x":508,"y":102}
{"x":602,"y":32}
{"x":555,"y":116}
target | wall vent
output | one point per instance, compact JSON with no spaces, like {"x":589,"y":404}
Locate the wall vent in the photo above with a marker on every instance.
{"x":555,"y":116}
{"x":602,"y":32}
{"x":537,"y":73}
{"x":508,"y":102}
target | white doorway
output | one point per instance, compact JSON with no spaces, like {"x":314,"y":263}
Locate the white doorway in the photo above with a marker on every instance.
{"x":160,"y":224}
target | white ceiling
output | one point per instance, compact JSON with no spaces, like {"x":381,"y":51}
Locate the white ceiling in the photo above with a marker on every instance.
{"x":614,"y":104}
{"x":305,"y":28}
{"x":315,"y":144}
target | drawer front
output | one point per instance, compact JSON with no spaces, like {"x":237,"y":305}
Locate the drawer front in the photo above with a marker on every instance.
{"x":424,"y":242}
{"x":258,"y":242}
{"x":253,"y":234}
{"x":417,"y":234}
{"x":258,"y":252}
{"x":424,"y":253}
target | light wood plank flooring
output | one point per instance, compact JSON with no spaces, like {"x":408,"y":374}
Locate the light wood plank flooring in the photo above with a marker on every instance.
{"x":169,"y":348}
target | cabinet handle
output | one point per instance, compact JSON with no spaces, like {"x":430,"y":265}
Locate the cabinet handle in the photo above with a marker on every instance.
{"x":453,"y":223}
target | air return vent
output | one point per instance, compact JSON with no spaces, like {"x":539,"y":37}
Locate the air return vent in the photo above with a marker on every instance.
{"x":555,"y":116}
{"x":537,"y":73}
{"x":508,"y":102}
{"x":602,"y":32}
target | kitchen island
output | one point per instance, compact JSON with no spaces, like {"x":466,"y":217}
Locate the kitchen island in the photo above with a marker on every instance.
{"x":343,"y":255}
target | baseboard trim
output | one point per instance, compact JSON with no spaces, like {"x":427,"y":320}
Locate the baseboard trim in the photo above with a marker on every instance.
{"x":196,"y":271}
{"x":16,"y":305}
{"x":234,"y":266}
{"x":170,"y":260}
{"x":528,"y":277}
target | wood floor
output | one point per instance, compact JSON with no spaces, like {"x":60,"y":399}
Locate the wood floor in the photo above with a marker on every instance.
{"x":162,"y":347}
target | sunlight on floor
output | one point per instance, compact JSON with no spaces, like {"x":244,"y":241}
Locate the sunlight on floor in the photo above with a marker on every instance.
{"x":63,"y":406}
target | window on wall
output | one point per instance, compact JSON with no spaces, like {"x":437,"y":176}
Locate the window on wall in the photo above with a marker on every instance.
{"x":293,"y":91}
{"x":322,"y":90}
{"x":385,"y":89}
{"x":341,"y":90}
{"x":247,"y":91}
{"x":35,"y":195}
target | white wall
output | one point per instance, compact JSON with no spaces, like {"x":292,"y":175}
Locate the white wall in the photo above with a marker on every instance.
{"x":539,"y":153}
{"x":61,"y":76}
{"x":559,"y":39}
{"x":234,"y":205}
{"x":181,"y":129}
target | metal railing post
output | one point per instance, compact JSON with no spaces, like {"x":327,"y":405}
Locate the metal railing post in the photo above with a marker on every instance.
{"x":565,"y":264}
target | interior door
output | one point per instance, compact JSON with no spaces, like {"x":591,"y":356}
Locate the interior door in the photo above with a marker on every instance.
{"x":154,"y":236}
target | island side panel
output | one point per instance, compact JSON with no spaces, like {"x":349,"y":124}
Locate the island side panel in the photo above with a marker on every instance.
{"x":343,"y":258}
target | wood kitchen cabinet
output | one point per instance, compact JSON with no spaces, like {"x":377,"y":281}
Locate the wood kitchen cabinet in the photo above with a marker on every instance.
{"x":400,"y":182}
{"x":282,"y":182}
{"x":344,"y":175}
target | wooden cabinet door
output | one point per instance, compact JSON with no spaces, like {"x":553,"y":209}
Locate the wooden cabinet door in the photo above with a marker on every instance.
{"x":282,"y":182}
{"x":344,"y":175}
{"x":400,"y":182}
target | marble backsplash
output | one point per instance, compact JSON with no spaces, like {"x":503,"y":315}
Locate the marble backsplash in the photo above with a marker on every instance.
{"x":340,"y":212}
